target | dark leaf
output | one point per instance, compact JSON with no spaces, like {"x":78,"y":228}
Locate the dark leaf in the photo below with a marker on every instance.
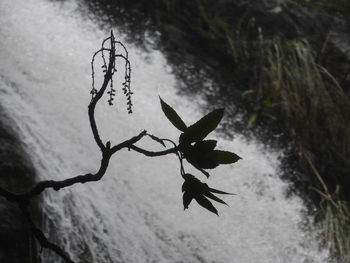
{"x":219,"y":192}
{"x":187,"y":185}
{"x":194,"y":188}
{"x":223,"y":157}
{"x":215,"y":198}
{"x":203,"y":127}
{"x":199,"y":159}
{"x":172,"y":116}
{"x":205,"y":146}
{"x":204,"y":202}
{"x":201,"y":162}
{"x":200,"y":154}
{"x":187,"y":198}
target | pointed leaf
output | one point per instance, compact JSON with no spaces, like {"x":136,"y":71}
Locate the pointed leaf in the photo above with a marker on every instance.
{"x":186,"y":199}
{"x":202,"y":128}
{"x":188,"y":182}
{"x":220,"y":192}
{"x":201,"y":154}
{"x":200,"y":165}
{"x":252,"y":120}
{"x":215,"y":198}
{"x":224,"y":157}
{"x":205,"y":146}
{"x":204,"y":202}
{"x":172,"y":116}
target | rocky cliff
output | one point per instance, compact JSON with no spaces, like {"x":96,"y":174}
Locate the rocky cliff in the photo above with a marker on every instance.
{"x":17,"y":173}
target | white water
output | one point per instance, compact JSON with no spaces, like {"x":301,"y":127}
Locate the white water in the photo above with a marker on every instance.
{"x":135,"y":213}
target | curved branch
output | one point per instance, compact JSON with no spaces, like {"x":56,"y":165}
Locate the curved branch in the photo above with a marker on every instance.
{"x":23,"y":199}
{"x":57,"y":185}
{"x":153,"y":154}
{"x":128,"y":143}
{"x":107,"y":153}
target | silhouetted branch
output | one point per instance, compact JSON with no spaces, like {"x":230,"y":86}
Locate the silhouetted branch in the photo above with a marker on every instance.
{"x":23,"y":199}
{"x":96,"y":97}
{"x":152,"y":154}
{"x":106,"y":155}
{"x":128,"y":143}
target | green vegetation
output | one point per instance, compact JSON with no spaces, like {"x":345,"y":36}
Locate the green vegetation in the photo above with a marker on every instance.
{"x":335,"y":216}
{"x":288,"y":84}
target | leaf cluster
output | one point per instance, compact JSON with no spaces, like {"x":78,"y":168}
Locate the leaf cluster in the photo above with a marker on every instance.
{"x":193,"y":188}
{"x":200,"y":153}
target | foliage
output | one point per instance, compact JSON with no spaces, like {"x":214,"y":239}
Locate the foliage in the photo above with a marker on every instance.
{"x":288,"y":81}
{"x":192,"y":146}
{"x":201,"y":155}
{"x":195,"y":189}
{"x":335,"y":215}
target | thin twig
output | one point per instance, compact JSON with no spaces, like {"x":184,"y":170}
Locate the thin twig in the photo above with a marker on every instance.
{"x":23,"y":199}
{"x":152,"y":154}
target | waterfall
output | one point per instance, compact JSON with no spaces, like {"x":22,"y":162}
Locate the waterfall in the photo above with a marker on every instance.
{"x":135,"y":213}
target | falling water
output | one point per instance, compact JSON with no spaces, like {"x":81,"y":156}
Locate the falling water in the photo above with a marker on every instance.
{"x":134,"y":214}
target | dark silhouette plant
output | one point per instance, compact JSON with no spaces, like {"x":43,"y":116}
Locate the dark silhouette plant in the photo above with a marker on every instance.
{"x":192,"y":188}
{"x":192,"y":146}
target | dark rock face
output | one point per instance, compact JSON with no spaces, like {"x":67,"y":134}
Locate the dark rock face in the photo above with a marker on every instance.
{"x":293,"y":20}
{"x":288,"y":18}
{"x":17,"y":244}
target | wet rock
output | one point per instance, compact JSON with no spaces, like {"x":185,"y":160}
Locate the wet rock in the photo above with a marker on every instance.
{"x":16,"y":242}
{"x":16,"y":174}
{"x":292,"y":20}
